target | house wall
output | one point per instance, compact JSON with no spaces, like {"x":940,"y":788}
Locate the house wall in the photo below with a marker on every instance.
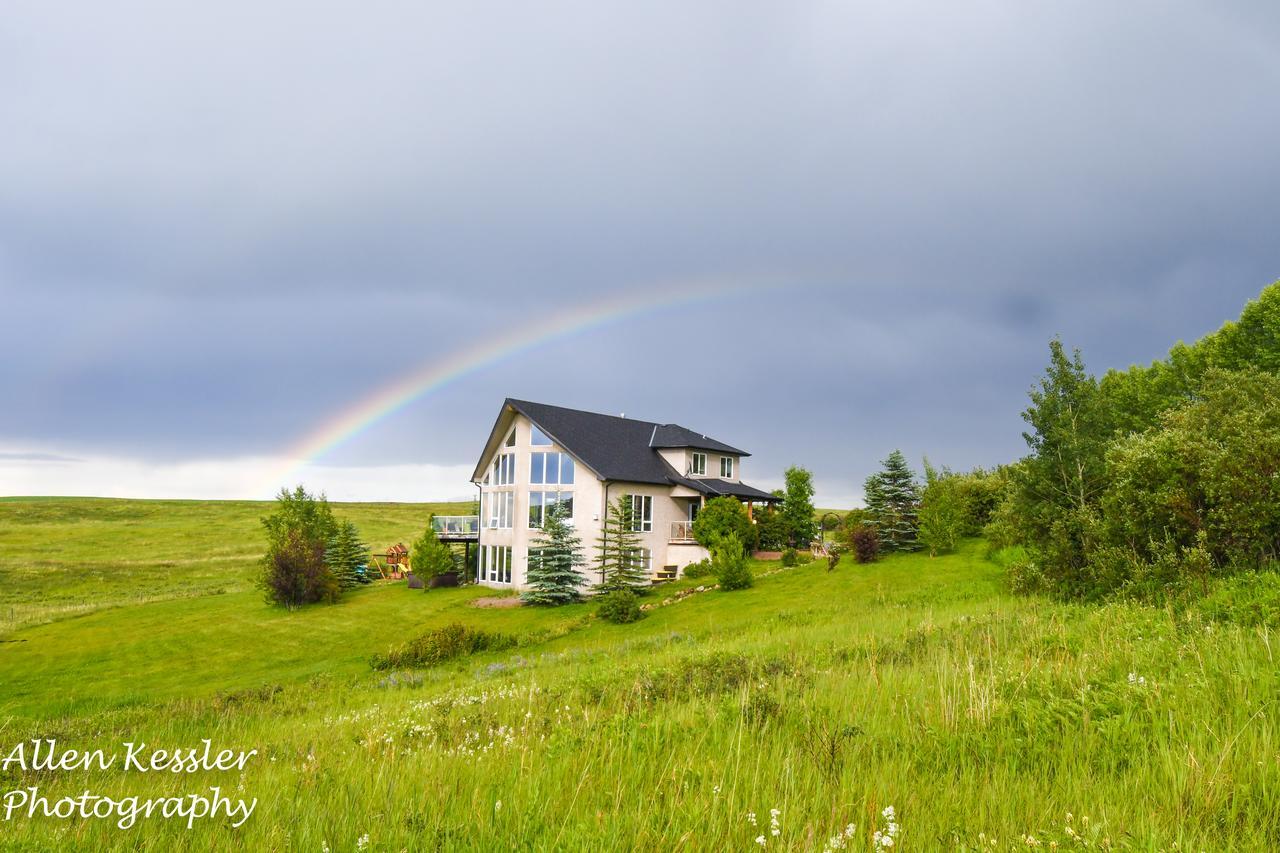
{"x":681,"y":459}
{"x":589,"y":495}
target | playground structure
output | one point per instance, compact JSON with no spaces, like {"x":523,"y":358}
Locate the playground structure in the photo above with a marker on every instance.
{"x":391,"y":565}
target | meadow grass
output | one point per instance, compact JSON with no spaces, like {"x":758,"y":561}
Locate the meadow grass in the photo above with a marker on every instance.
{"x":987,"y":721}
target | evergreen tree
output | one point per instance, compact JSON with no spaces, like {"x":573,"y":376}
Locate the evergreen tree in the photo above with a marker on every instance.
{"x":893,"y":499}
{"x":429,"y":556}
{"x":554,"y":575}
{"x":618,"y":550}
{"x":346,"y":555}
{"x":729,"y":562}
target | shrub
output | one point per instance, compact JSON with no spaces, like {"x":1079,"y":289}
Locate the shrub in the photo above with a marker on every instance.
{"x":700,"y":569}
{"x":721,"y":517}
{"x":790,"y":558}
{"x":865,"y":543}
{"x":620,"y":607}
{"x":1250,"y":599}
{"x":294,"y":573}
{"x":730,"y":564}
{"x":441,"y":644}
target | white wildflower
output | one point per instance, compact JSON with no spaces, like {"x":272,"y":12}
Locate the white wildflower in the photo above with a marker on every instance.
{"x":760,"y":840}
{"x":362,"y":842}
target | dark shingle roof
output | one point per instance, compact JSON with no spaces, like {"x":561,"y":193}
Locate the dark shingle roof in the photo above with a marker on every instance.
{"x":713,"y":487}
{"x":618,"y":448}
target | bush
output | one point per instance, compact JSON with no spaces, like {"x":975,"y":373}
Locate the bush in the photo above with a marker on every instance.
{"x":1250,"y":599}
{"x":620,"y":607}
{"x":721,"y":517}
{"x":790,"y":558}
{"x":441,"y":644}
{"x":700,"y":569}
{"x":730,"y":565}
{"x":865,"y":543}
{"x":294,"y":573}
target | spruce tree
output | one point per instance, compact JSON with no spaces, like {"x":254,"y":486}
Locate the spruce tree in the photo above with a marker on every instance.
{"x":428,"y":556}
{"x":893,"y":499}
{"x":618,"y":550}
{"x":554,"y":575}
{"x":346,"y":554}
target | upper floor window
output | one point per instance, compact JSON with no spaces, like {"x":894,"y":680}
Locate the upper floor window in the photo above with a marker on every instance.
{"x":539,"y":438}
{"x":726,"y":466}
{"x":511,"y":438}
{"x":504,"y":470}
{"x":552,"y":469}
{"x":699,"y":465}
{"x":542,"y":503}
{"x":642,"y":513}
{"x":500,"y":509}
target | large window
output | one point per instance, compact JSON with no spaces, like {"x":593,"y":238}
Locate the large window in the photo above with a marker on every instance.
{"x":699,"y":465}
{"x":642,"y":560}
{"x":495,"y":564}
{"x":538,"y":438}
{"x":551,"y":469}
{"x":541,"y":503}
{"x":726,"y":466}
{"x":504,"y":469}
{"x":500,"y":508}
{"x":642,"y":513}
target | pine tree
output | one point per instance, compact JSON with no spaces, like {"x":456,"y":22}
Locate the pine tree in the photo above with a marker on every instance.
{"x":555,"y":575}
{"x":618,"y":550}
{"x":428,"y":556}
{"x":346,"y":555}
{"x":893,"y":499}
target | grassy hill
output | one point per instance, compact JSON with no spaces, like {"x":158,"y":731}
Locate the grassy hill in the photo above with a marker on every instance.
{"x":828,"y":696}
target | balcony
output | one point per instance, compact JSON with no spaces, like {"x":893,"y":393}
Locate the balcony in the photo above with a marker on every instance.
{"x":457,"y":528}
{"x":682,"y":531}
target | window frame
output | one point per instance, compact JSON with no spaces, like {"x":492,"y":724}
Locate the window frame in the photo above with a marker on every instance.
{"x":694,"y":468}
{"x":726,"y":467}
{"x":641,"y":521}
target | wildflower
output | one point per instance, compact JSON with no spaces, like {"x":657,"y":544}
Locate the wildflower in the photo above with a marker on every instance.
{"x":497,"y":807}
{"x":751,"y":818}
{"x":888,"y":813}
{"x":362,"y":842}
{"x":716,"y":790}
{"x":760,"y":840}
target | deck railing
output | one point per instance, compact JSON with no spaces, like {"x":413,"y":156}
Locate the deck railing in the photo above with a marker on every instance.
{"x":682,"y":531}
{"x":456,"y":525}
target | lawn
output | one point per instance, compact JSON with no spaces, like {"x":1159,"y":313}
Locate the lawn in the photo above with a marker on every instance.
{"x":987,"y":721}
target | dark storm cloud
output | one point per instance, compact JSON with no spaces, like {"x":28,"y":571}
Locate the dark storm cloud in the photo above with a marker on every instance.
{"x":219,"y":225}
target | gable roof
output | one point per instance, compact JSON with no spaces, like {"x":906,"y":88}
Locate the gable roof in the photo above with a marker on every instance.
{"x":615,"y":448}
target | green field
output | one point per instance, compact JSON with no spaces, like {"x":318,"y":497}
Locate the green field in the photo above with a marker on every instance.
{"x":982,"y":718}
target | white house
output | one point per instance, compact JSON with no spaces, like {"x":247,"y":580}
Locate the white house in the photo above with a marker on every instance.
{"x":538,"y":456}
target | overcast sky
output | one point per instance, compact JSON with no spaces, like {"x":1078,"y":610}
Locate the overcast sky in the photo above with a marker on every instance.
{"x":222,"y":223}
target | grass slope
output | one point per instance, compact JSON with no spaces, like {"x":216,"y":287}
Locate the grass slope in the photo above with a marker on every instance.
{"x":913,"y":682}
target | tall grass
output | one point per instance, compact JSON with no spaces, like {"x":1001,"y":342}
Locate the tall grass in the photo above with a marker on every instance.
{"x":986,"y":721}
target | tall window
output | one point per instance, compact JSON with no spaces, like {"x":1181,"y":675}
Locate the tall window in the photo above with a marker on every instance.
{"x":641,"y":559}
{"x":539,"y":438}
{"x":642,"y":513}
{"x":511,"y":438}
{"x":551,"y":469}
{"x":541,"y":503}
{"x":501,"y":506}
{"x":495,"y":563}
{"x":699,"y":465}
{"x":504,"y":469}
{"x":726,"y":466}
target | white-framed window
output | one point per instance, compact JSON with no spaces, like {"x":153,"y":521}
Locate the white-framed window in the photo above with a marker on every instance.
{"x":642,"y":560}
{"x":699,"y":464}
{"x":501,"y":509}
{"x":551,"y":469}
{"x":642,"y":513}
{"x":541,"y":503}
{"x":495,"y":563}
{"x":726,"y":466}
{"x":538,"y":438}
{"x":511,"y":438}
{"x":504,"y":469}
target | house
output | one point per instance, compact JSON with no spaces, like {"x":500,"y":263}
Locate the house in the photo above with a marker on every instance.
{"x":540,"y":456}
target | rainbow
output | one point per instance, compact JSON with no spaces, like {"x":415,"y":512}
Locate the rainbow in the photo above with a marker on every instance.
{"x":440,"y":371}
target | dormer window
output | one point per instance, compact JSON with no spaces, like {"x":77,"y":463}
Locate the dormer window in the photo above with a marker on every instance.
{"x":539,"y":438}
{"x":699,"y":465}
{"x":726,"y":467}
